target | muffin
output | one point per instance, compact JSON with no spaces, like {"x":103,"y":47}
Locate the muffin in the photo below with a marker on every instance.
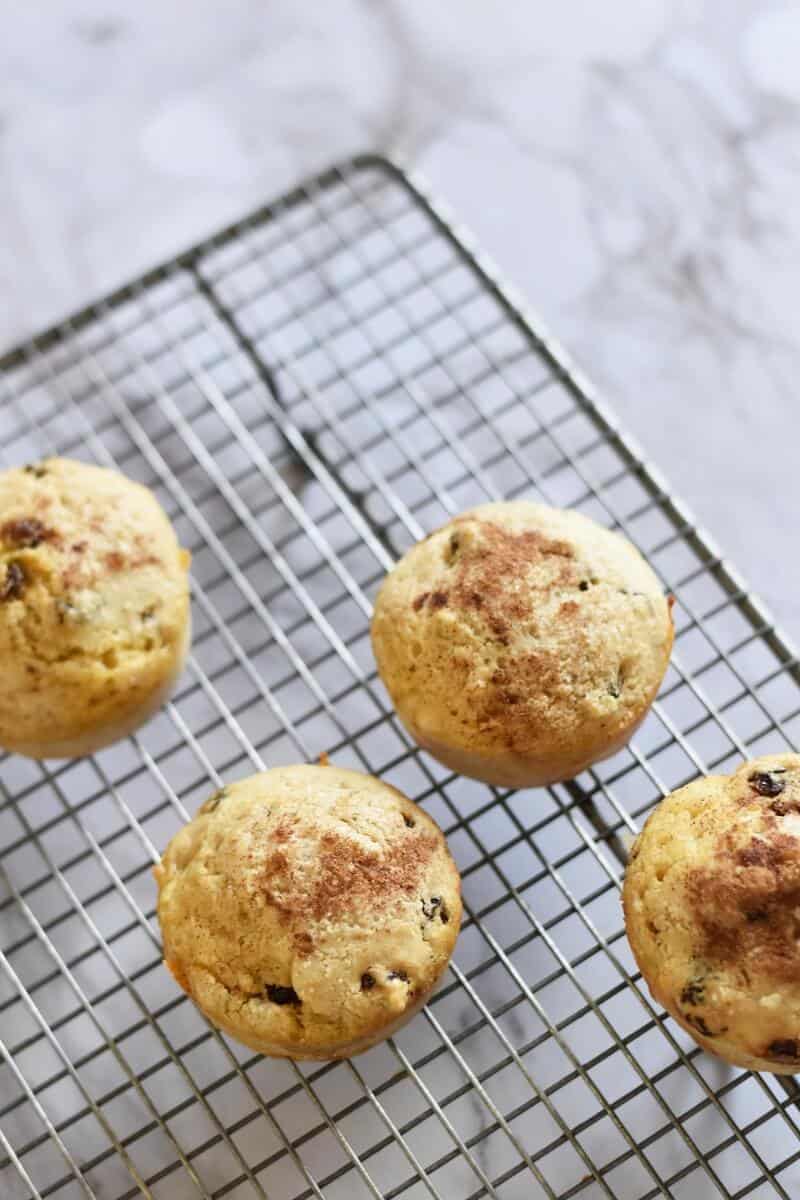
{"x":520,"y":643}
{"x":308,"y":910}
{"x":94,"y":607}
{"x":712,"y":911}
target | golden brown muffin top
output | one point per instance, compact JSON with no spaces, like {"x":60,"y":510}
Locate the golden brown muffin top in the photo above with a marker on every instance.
{"x":518,"y":628}
{"x":712,"y":903}
{"x":94,"y":606}
{"x":308,"y":906}
{"x":89,"y":566}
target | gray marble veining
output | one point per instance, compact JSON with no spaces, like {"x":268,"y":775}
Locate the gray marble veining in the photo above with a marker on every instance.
{"x":633,"y":169}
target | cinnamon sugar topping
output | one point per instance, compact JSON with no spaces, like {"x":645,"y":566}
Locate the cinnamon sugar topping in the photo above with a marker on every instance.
{"x":345,"y":873}
{"x":488,"y":567}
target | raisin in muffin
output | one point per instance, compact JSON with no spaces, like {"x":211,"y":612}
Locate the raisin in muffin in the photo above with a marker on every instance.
{"x":712,"y":911}
{"x":520,"y":643}
{"x":308,"y":910}
{"x":94,"y":607}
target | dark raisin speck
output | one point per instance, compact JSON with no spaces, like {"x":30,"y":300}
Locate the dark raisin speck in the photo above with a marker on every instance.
{"x":213,"y":802}
{"x":398,"y":974}
{"x":367,"y":982}
{"x":66,"y":611}
{"x":452,"y":548}
{"x":429,"y":907}
{"x":783,"y":1048}
{"x":699,"y":1024}
{"x":35,"y":469}
{"x":282,"y":995}
{"x":408,"y":821}
{"x":13,"y":585}
{"x":694,"y":992}
{"x":766,"y":783}
{"x":584,"y":585}
{"x":24,"y":531}
{"x":757,"y":914}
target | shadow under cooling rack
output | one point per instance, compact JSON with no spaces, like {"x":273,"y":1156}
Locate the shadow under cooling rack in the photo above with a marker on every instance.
{"x":308,"y":393}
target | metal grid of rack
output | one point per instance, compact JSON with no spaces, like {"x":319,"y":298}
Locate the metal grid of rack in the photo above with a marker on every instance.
{"x":308,"y":393}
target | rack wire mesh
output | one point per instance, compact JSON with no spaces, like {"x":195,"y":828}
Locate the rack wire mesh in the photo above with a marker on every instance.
{"x":308,"y":393}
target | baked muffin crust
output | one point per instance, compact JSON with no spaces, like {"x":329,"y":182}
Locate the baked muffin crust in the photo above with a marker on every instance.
{"x":94,"y":607}
{"x":308,"y":910}
{"x":712,"y":911}
{"x":521,"y":643}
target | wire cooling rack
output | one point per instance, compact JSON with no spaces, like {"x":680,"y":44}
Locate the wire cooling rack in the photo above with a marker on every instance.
{"x":308,"y":393}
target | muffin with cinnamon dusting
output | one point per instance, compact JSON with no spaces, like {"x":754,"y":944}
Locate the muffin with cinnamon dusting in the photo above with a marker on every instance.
{"x":94,"y":607}
{"x":308,"y":910}
{"x":712,"y":911}
{"x":520,"y":643}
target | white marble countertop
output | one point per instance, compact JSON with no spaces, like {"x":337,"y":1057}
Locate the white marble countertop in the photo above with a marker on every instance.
{"x":632,"y":168}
